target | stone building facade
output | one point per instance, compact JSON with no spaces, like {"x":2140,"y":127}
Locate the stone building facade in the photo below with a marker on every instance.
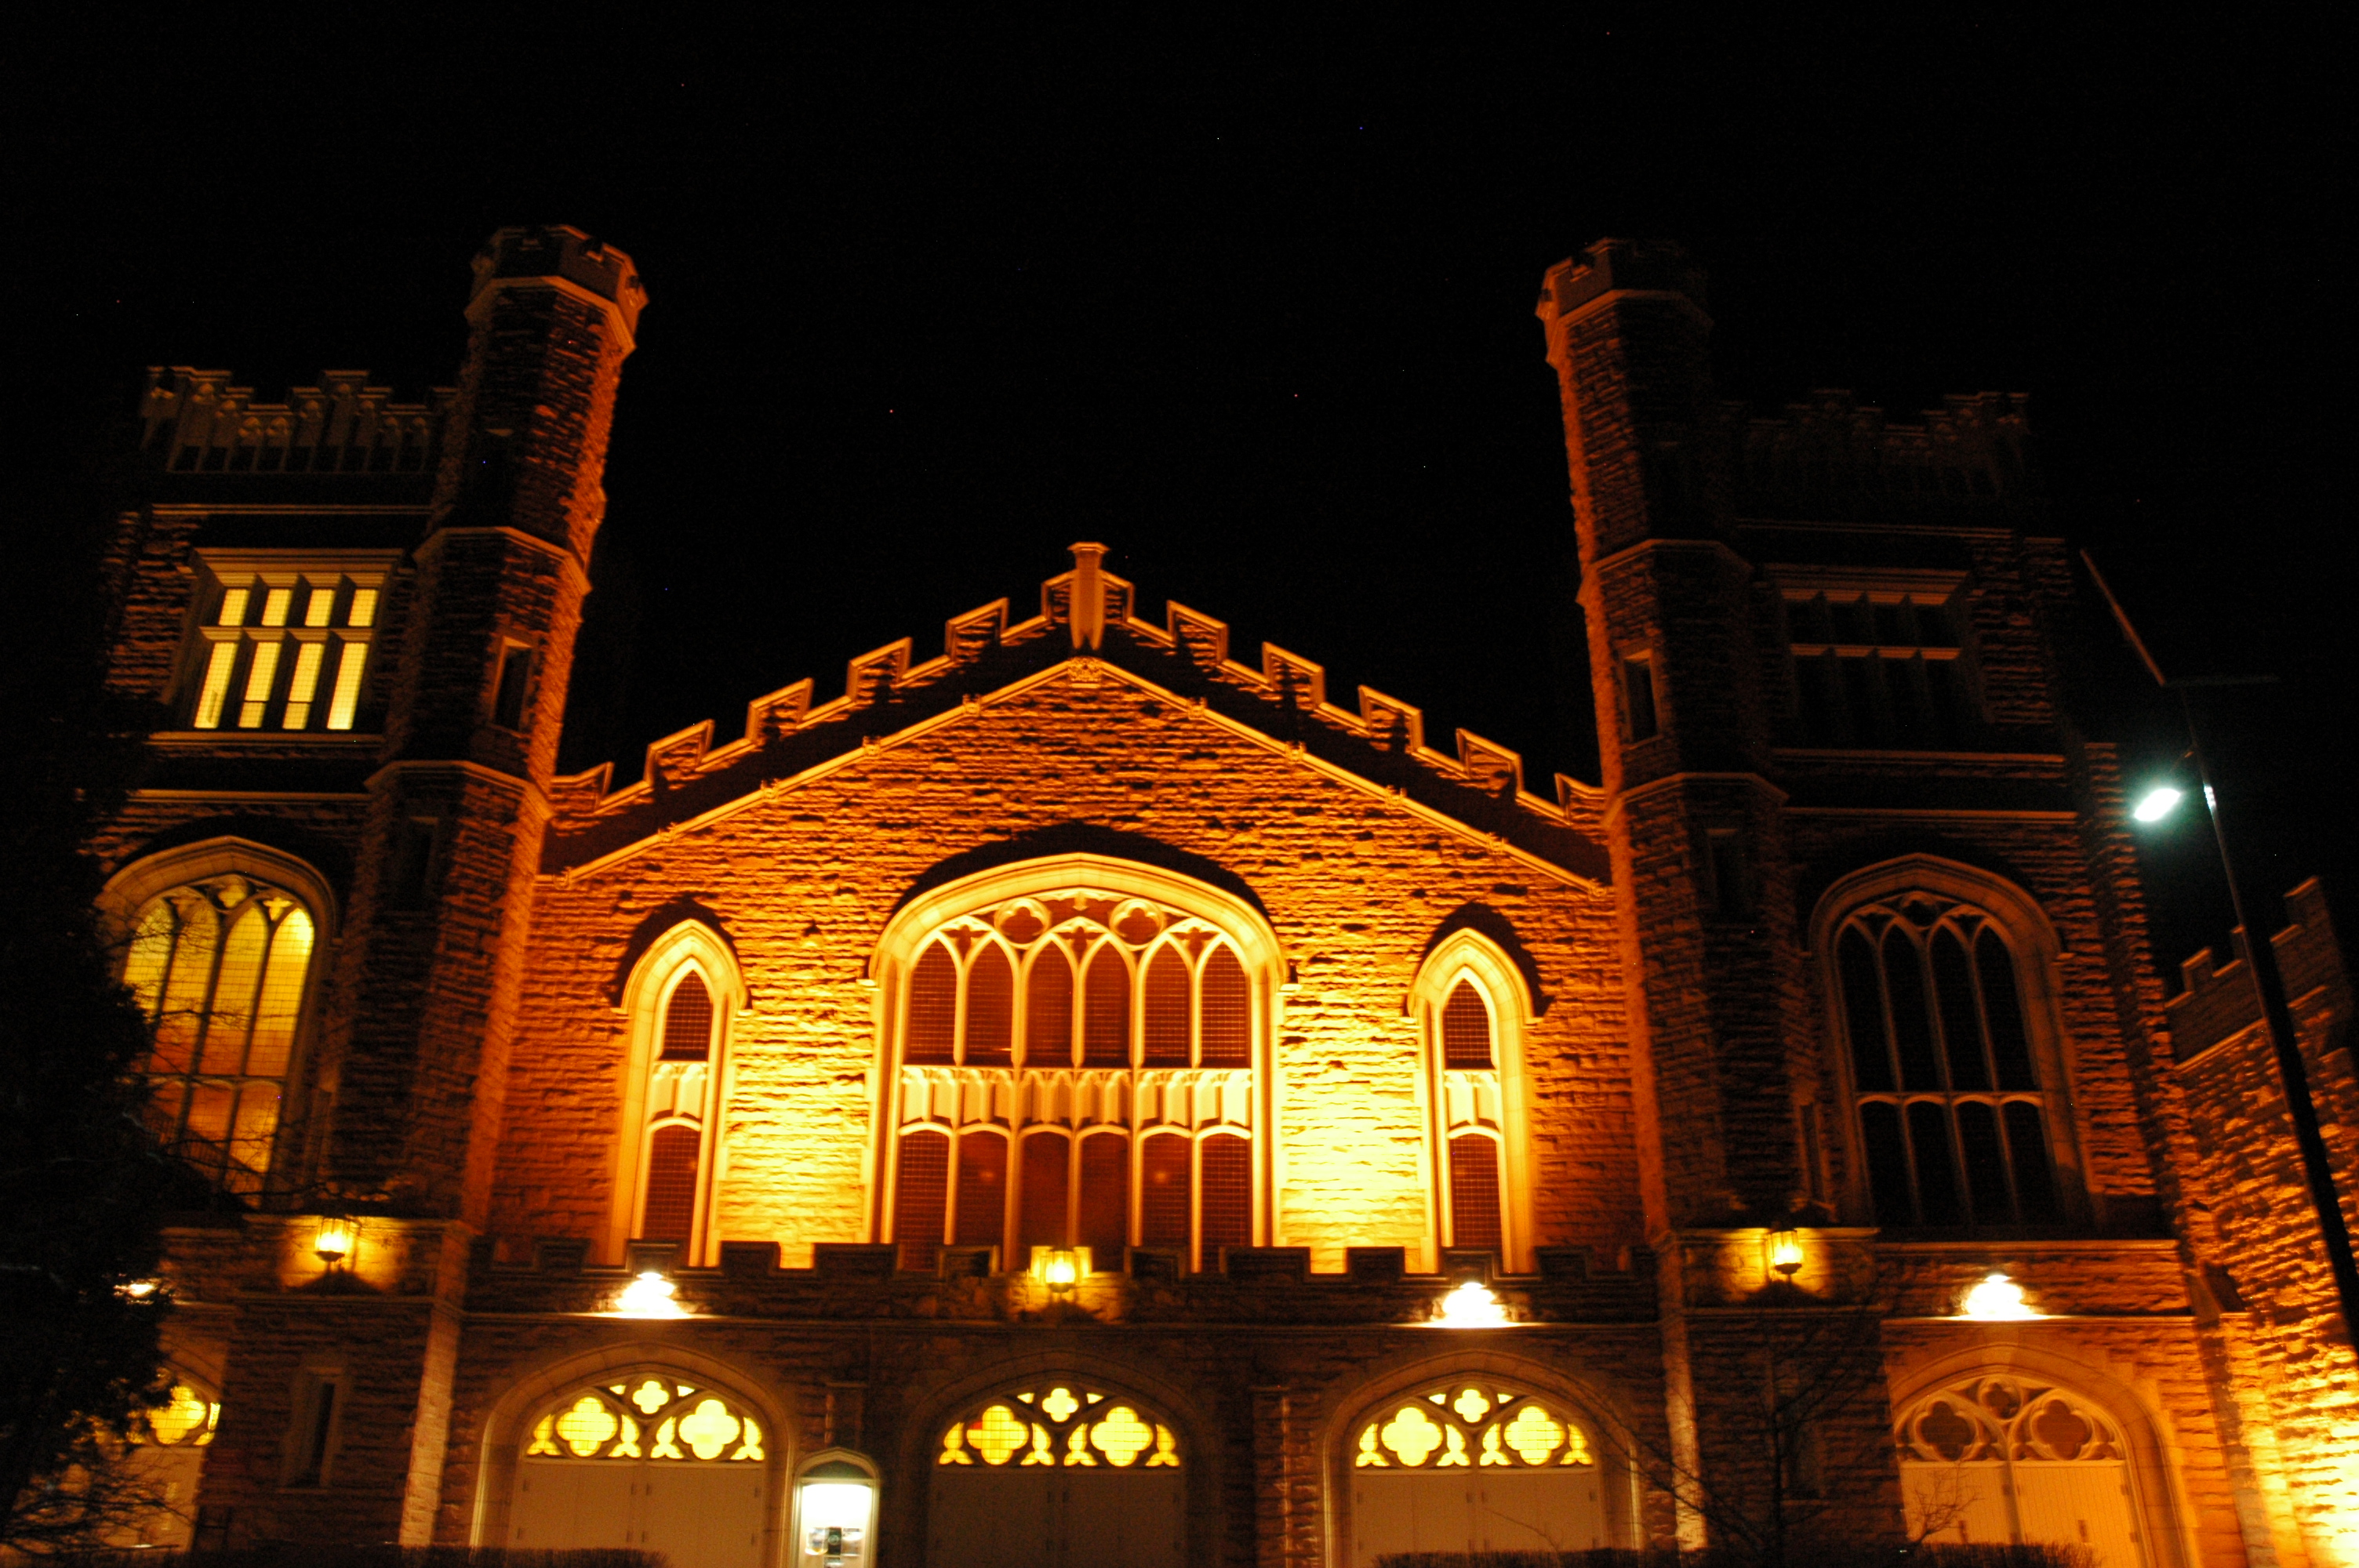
{"x":1082,"y":1095}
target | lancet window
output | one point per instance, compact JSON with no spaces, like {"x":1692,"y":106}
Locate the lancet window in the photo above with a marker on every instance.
{"x":1076,"y":1068}
{"x":1065,"y":1426}
{"x":679,"y":1000}
{"x":219,"y":967}
{"x":648,"y":1417}
{"x":1475,"y":1424}
{"x":286,"y":646}
{"x":1953,"y":1119}
{"x":1468,"y":995}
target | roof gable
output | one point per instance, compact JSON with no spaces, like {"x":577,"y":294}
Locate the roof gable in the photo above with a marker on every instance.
{"x":1086,"y":629}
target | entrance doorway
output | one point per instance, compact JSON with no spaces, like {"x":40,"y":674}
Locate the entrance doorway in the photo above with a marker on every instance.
{"x":1999,"y":1460}
{"x":1061,"y":1476}
{"x":1474,"y":1465}
{"x":651,"y":1462}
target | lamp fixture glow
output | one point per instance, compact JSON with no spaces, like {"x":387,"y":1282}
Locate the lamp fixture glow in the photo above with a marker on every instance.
{"x":1061,"y":1271}
{"x":1786,"y":1251}
{"x":650,"y":1295}
{"x":2158,"y":802}
{"x":1470,"y":1306}
{"x":334,"y":1241}
{"x":1997,"y":1300}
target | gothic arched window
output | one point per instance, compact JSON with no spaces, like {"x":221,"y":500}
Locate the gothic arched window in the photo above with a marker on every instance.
{"x":1074,"y":1045}
{"x":218,"y":966}
{"x":1469,"y":996}
{"x":1955,"y":1113}
{"x":679,"y":1000}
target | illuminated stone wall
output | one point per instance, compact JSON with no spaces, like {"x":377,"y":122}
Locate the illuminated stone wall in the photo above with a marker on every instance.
{"x":2274,"y":1298}
{"x":803,"y":878}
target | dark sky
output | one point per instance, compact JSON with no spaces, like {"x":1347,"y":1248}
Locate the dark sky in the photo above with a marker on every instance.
{"x":934,"y":297}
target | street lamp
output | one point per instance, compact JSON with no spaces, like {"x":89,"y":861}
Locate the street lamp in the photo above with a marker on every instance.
{"x":2157,"y":802}
{"x":2153,"y":806}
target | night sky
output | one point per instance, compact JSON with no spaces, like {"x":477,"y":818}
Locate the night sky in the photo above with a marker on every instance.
{"x":934,"y":297}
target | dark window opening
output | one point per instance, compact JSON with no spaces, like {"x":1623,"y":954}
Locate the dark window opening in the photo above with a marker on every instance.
{"x":515,"y":677}
{"x":1639,"y":714}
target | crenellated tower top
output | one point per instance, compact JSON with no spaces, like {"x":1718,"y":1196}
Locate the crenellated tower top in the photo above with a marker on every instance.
{"x":560,"y":254}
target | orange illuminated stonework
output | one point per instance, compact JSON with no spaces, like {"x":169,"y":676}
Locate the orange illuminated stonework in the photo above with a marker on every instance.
{"x":1094,"y":1081}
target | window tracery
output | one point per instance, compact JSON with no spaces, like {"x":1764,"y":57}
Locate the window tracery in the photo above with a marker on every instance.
{"x":1076,"y":1068}
{"x":2010,"y":1459}
{"x":1069,"y":1427}
{"x":1952,"y":1115}
{"x":218,"y":967}
{"x":186,"y":1419}
{"x":1471,"y":1425}
{"x":648,"y":1417}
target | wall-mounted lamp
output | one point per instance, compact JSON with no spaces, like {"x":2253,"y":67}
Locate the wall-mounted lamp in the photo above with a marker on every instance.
{"x":835,"y":1507}
{"x":1470,"y":1306}
{"x":1997,"y":1300}
{"x":1785,"y":1250}
{"x":334,"y":1241}
{"x":1061,"y":1268}
{"x":649,"y":1295}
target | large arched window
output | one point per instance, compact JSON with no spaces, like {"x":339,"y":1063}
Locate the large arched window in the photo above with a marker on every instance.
{"x":1074,"y":1045}
{"x":1471,"y":1003}
{"x":679,"y":1000}
{"x":221,"y":965}
{"x":1946,"y":1045}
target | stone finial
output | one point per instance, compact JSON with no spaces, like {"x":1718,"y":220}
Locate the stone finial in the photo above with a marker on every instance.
{"x":1088,"y":612}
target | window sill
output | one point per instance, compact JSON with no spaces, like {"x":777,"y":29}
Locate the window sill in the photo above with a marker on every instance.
{"x":325,"y":739}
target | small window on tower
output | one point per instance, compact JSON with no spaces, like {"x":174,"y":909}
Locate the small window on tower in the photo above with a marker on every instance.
{"x":515,"y":682}
{"x":1639,"y":718}
{"x":411,"y":875}
{"x":1730,"y":868}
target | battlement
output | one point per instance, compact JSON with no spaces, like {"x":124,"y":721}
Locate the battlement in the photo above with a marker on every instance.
{"x":1835,"y":458}
{"x":2220,"y":1002}
{"x":1086,"y":614}
{"x":560,"y":251}
{"x":198,"y":422}
{"x":1619,"y":266}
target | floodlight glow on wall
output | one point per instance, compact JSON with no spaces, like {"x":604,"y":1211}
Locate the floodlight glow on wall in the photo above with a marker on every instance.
{"x":1997,"y":1300}
{"x":1470,"y":1306}
{"x":649,"y":1295}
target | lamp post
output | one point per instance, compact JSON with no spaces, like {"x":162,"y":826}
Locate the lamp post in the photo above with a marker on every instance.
{"x":2317,"y":1167}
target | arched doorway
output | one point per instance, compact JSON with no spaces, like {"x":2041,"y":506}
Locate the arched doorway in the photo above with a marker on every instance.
{"x":1477,"y":1464}
{"x":2004,"y":1459}
{"x":166,"y":1461}
{"x":1060,"y":1474}
{"x":656,"y":1461}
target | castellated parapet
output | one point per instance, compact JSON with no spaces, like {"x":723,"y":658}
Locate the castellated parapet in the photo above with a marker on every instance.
{"x":200,"y":422}
{"x":887,"y":699}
